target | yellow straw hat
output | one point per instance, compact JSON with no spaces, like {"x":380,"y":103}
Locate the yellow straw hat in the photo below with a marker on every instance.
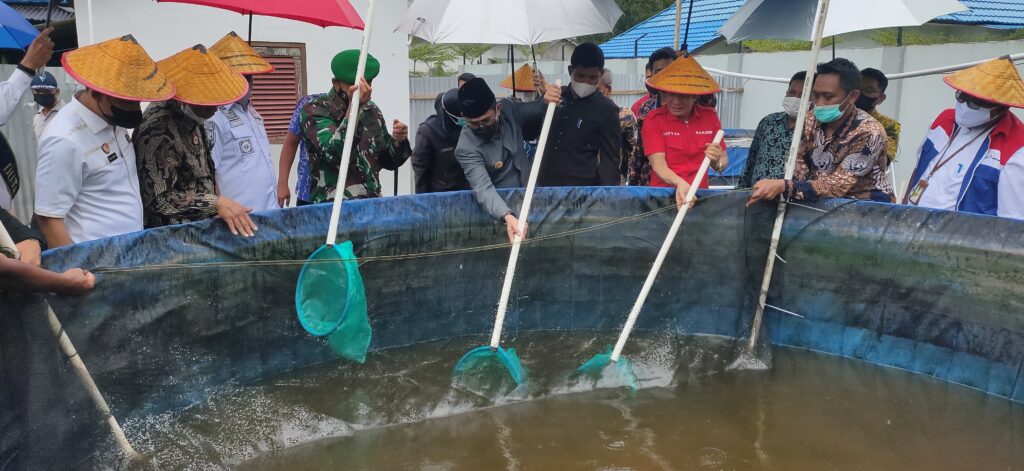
{"x":241,"y":57}
{"x":120,"y":68}
{"x":200,"y":78}
{"x":997,"y":81}
{"x":524,"y":80}
{"x":685,"y":76}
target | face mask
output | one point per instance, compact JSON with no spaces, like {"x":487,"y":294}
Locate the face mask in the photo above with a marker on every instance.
{"x":244,"y":101}
{"x":791,"y":105}
{"x":45,"y":100}
{"x":829,"y":113}
{"x":583,"y":90}
{"x":127,"y":119}
{"x":192,"y":114}
{"x":488,"y":132}
{"x":865,"y":102}
{"x":971,"y":118}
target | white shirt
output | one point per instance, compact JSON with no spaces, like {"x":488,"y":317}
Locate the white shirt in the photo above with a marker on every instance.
{"x":41,"y":119}
{"x":944,"y":186}
{"x":86,"y":175}
{"x":241,"y":157}
{"x":11,"y":91}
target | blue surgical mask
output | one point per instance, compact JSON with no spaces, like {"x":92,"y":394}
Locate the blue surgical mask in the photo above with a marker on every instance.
{"x":829,"y":113}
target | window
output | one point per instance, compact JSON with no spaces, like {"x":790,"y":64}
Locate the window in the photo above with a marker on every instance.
{"x":274,"y":95}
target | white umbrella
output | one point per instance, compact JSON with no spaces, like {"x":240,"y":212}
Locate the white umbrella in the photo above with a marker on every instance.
{"x":522,"y":22}
{"x":794,"y":19}
{"x":811,"y":19}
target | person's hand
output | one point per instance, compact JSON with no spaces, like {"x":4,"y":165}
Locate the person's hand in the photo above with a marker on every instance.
{"x":39,"y":51}
{"x":236,"y":216}
{"x":512,"y":227}
{"x":553,"y":94}
{"x":767,"y":190}
{"x":717,"y":156}
{"x":681,"y":190}
{"x":365,"y":90}
{"x":399,"y":131}
{"x":76,"y":282}
{"x":31,"y":251}
{"x":539,"y":83}
{"x":284,"y":194}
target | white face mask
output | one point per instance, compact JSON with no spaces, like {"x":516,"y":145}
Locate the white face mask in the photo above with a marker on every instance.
{"x":192,"y":114}
{"x":791,"y":105}
{"x":971,"y":118}
{"x":583,"y":90}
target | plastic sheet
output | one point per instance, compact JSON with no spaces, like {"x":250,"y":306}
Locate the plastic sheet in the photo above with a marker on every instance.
{"x":934,"y":292}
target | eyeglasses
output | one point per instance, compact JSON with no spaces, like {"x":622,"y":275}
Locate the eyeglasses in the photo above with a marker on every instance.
{"x":972,"y":102}
{"x":482,"y":124}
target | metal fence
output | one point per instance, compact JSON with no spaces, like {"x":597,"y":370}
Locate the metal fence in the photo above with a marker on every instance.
{"x":20,"y":135}
{"x":626,"y":89}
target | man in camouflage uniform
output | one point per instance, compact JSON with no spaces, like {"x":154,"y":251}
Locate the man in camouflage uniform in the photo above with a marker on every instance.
{"x":323,"y":124}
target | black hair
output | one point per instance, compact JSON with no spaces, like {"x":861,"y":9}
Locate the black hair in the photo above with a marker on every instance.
{"x":587,"y":55}
{"x":660,"y":55}
{"x":466,"y":77}
{"x":883,"y":81}
{"x":849,"y":74}
{"x":800,"y":76}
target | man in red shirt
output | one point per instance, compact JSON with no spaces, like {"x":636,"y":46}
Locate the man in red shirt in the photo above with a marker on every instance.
{"x":678,"y":135}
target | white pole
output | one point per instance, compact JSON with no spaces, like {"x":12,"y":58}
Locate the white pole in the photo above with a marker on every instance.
{"x":794,"y":147}
{"x":665,"y":246}
{"x":350,"y":130}
{"x":510,"y":271}
{"x":92,"y":28}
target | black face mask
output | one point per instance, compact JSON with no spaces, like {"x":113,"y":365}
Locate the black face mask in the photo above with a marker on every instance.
{"x":128,"y":119}
{"x":865,"y":102}
{"x":46,"y":100}
{"x":487,"y":132}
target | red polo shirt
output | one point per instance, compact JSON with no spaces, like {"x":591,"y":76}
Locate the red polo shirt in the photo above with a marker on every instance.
{"x":682,"y":142}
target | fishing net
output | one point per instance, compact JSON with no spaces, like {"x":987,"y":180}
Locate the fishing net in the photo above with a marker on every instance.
{"x":331,"y":301}
{"x":489,"y":371}
{"x":606,"y":374}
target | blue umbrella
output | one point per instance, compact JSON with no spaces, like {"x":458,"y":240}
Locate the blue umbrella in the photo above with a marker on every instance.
{"x":15,"y":31}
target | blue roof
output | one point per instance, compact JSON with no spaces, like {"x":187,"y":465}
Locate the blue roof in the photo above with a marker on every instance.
{"x":710,"y":15}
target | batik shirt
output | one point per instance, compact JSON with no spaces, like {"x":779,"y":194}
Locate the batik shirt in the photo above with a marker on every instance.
{"x":639,"y":167}
{"x":766,"y":158}
{"x":324,"y":121}
{"x":892,"y":130}
{"x":176,"y":173}
{"x":630,"y":133}
{"x":849,"y":164}
{"x":295,"y":127}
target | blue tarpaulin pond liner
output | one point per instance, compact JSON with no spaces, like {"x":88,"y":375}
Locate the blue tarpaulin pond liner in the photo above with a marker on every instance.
{"x":933,"y":292}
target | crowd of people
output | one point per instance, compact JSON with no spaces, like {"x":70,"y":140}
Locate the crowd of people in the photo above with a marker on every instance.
{"x":201,"y":151}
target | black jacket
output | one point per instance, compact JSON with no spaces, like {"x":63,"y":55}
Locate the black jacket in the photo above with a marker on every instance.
{"x":20,"y":232}
{"x":583,"y":144}
{"x":433,"y":161}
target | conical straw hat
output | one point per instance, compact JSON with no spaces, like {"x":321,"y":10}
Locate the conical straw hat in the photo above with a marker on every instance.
{"x":119,"y":68}
{"x":524,"y":80}
{"x":997,"y":81}
{"x":685,"y":76}
{"x":238,"y":55}
{"x":200,"y":78}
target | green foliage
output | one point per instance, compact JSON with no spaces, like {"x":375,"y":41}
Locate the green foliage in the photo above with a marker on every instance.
{"x":429,"y":54}
{"x":469,"y":52}
{"x":916,"y":37}
{"x":781,"y":45}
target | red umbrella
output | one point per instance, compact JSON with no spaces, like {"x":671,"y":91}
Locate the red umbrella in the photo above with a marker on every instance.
{"x":322,"y":13}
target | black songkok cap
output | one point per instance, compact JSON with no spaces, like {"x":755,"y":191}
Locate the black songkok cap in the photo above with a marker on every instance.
{"x":475,"y":98}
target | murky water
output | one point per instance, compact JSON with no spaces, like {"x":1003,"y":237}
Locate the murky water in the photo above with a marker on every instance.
{"x":397,"y":412}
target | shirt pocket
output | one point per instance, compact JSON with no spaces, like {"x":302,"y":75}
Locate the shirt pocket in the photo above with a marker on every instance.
{"x":99,"y":163}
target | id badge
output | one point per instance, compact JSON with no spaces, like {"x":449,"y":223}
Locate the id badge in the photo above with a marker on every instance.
{"x":915,"y":195}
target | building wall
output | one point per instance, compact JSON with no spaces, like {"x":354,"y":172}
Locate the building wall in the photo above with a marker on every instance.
{"x":166,"y":28}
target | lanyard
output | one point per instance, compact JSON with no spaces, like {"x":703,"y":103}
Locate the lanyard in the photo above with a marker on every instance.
{"x":941,"y":163}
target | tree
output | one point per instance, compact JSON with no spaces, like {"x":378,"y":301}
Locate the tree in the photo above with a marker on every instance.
{"x":469,"y":52}
{"x":633,"y":12}
{"x":428,"y":54}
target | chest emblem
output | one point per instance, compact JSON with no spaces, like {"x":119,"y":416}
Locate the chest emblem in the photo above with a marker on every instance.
{"x":106,"y":148}
{"x":499,"y":164}
{"x":245,"y":146}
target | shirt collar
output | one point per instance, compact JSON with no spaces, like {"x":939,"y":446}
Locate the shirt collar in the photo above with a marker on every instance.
{"x":93,"y":121}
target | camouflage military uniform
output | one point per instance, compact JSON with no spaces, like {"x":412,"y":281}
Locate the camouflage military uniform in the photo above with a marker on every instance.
{"x":176,"y":173}
{"x":323,"y":122}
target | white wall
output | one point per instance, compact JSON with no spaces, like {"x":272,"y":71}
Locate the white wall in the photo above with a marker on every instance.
{"x":166,"y":28}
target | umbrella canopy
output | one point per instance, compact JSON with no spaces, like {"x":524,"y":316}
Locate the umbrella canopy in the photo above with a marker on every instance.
{"x":793,"y":19}
{"x":322,"y":13}
{"x":15,"y":31}
{"x":522,"y":22}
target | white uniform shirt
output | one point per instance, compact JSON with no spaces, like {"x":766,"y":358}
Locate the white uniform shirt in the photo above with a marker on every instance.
{"x":11,"y":92}
{"x":40,"y":120}
{"x":944,"y":186}
{"x":241,"y":156}
{"x":87,"y":176}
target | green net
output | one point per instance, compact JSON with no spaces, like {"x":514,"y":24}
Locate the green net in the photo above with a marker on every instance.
{"x":331,"y":302}
{"x":606,"y":374}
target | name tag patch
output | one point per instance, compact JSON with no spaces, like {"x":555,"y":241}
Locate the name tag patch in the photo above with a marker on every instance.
{"x":112,"y":157}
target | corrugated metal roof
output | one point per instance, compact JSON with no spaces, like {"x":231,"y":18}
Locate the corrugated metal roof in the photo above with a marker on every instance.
{"x":709,"y":15}
{"x":37,"y":14}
